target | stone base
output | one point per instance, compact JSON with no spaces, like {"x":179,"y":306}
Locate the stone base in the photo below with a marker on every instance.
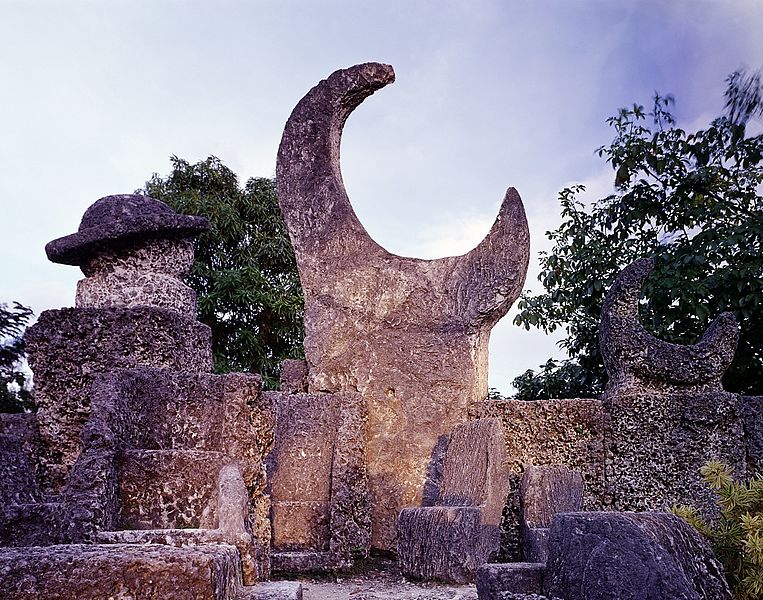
{"x":444,"y":543}
{"x":95,"y":572}
{"x":273,"y":590}
{"x":306,"y":562}
{"x":495,"y":580}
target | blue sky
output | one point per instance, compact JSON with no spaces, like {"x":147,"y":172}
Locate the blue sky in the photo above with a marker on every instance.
{"x":96,"y":96}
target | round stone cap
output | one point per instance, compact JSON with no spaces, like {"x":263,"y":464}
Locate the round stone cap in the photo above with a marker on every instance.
{"x":118,"y":218}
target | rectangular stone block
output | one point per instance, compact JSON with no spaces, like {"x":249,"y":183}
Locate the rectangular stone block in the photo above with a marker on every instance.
{"x":168,"y":489}
{"x":444,"y":543}
{"x":95,"y":572}
{"x":300,"y":525}
{"x":516,"y":578}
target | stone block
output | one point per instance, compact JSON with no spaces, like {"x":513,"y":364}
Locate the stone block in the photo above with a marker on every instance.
{"x":444,"y":543}
{"x":293,"y":378}
{"x":515,"y":578}
{"x":95,"y":572}
{"x":475,"y":471}
{"x":273,"y":590}
{"x":318,"y":475}
{"x":44,"y":524}
{"x":630,"y":556}
{"x":18,"y":484}
{"x":168,"y":489}
{"x":543,"y":492}
{"x":68,"y":348}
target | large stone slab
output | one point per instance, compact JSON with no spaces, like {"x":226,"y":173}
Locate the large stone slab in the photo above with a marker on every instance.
{"x":95,"y":572}
{"x":317,"y":477}
{"x":545,"y":491}
{"x":630,"y":556}
{"x":411,"y":336}
{"x":515,"y":578}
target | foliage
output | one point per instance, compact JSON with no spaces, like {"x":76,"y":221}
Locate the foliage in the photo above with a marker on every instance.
{"x":555,"y":379}
{"x":244,"y":273}
{"x":692,"y":200}
{"x":15,"y":385}
{"x":737,"y":535}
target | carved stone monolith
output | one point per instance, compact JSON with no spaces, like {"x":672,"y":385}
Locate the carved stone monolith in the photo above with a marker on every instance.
{"x":669,"y":413}
{"x":410,"y":335}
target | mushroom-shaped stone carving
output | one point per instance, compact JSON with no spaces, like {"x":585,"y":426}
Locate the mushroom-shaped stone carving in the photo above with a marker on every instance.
{"x":636,"y":360}
{"x":410,"y":335}
{"x":133,"y":250}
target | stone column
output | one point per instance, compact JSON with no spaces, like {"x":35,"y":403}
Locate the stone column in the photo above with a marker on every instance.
{"x":132,"y":310}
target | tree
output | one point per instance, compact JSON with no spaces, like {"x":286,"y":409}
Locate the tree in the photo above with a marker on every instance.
{"x":244,"y":273}
{"x":693,"y":201}
{"x":15,"y":385}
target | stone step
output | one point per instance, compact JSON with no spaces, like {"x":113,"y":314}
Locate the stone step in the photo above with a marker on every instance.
{"x":493,"y":579}
{"x":96,"y":572}
{"x":168,"y":489}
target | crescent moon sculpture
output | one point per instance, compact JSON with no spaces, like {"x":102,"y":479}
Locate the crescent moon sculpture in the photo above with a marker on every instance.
{"x":636,"y":360}
{"x":410,"y":335}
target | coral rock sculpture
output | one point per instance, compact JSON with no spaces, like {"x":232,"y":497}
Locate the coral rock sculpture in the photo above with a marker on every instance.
{"x":669,"y":413}
{"x":410,"y":335}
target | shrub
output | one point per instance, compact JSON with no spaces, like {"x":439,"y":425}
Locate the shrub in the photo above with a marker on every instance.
{"x":737,"y":534}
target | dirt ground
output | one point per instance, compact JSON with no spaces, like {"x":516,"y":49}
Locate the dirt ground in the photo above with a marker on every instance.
{"x":380,"y":579}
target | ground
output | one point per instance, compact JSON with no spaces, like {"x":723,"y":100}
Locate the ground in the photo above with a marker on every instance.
{"x":380,"y":579}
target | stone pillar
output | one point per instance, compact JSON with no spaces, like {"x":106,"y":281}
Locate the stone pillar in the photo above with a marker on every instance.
{"x":132,"y":310}
{"x":410,"y":335}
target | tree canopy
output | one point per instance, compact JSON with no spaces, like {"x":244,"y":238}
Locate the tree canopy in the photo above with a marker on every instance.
{"x":244,"y":273}
{"x":15,"y":384}
{"x":690,"y":199}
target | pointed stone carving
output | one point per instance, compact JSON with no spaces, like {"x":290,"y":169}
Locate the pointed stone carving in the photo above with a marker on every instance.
{"x":410,"y":335}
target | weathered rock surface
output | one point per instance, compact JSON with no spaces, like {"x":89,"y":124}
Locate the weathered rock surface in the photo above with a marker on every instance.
{"x":318,"y":480}
{"x":545,"y":491}
{"x":669,"y":413}
{"x":449,"y":541}
{"x":410,"y":335}
{"x":574,"y":433}
{"x":95,"y":572}
{"x":630,"y":556}
{"x":67,"y":348}
{"x":497,"y":579}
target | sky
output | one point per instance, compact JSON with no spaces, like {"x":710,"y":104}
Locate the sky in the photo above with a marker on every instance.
{"x":96,"y":96}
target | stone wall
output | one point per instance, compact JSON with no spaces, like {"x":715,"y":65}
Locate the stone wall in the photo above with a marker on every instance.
{"x":574,"y":433}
